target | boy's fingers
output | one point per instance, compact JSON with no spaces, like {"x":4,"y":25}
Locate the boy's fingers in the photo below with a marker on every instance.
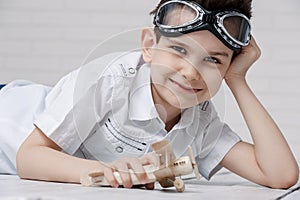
{"x":139,"y":170}
{"x":150,"y":158}
{"x":125,"y":168}
{"x":124,"y":174}
{"x":109,"y":176}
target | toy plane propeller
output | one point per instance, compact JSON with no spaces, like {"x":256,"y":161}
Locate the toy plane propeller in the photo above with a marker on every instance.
{"x":168,"y":174}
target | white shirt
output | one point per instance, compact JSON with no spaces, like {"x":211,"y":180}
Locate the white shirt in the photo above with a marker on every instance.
{"x":105,"y":111}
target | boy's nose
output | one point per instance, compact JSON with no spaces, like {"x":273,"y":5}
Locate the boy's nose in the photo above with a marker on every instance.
{"x":190,"y":73}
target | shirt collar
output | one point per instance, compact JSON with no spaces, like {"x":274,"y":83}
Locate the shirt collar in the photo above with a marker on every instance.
{"x":187,"y":118}
{"x":141,"y":105}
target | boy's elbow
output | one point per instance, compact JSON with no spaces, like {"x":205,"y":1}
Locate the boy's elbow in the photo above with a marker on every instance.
{"x":286,"y":180}
{"x":20,"y":165}
{"x":284,"y":184}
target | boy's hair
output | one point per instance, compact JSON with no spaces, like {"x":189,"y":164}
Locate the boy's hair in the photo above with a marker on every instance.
{"x":243,"y":6}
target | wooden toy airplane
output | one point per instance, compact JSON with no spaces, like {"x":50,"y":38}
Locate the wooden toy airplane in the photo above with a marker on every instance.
{"x":168,"y":174}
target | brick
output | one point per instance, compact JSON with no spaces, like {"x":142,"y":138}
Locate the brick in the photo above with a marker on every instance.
{"x":60,"y":19}
{"x":15,"y":47}
{"x":92,"y":33}
{"x":93,"y":5}
{"x":49,"y":78}
{"x":116,"y":6}
{"x":31,"y":33}
{"x":32,"y":63}
{"x":31,"y":4}
{"x":10,"y":17}
{"x":60,"y":48}
{"x":117,"y":19}
{"x":70,"y":63}
{"x":276,"y":6}
{"x":1,"y":64}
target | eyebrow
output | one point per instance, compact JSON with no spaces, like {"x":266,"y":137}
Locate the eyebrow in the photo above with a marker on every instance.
{"x":212,"y":53}
{"x":219,"y":54}
{"x":177,"y":42}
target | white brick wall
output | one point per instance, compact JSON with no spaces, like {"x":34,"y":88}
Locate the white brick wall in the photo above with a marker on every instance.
{"x":42,"y":40}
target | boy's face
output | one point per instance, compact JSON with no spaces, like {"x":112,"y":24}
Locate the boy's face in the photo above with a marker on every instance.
{"x":188,"y":69}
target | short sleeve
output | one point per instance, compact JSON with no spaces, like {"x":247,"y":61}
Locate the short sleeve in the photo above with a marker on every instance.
{"x":71,"y":109}
{"x":210,"y":164}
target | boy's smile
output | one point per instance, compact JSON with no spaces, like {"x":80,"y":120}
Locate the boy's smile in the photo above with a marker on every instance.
{"x":185,"y":88}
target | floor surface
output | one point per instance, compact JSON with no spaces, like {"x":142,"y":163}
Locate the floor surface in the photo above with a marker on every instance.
{"x":224,"y":185}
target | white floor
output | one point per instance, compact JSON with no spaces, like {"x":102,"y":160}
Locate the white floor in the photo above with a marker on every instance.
{"x":224,"y":185}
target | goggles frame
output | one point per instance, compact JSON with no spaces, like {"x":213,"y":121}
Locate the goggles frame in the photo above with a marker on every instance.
{"x":204,"y":20}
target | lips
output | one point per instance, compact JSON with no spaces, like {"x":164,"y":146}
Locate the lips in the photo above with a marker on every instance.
{"x":185,"y":88}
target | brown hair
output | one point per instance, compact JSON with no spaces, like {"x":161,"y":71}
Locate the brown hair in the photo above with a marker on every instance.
{"x":243,"y":6}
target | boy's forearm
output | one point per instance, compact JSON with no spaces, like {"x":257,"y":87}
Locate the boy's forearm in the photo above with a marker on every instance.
{"x":272,"y":152}
{"x":44,"y":163}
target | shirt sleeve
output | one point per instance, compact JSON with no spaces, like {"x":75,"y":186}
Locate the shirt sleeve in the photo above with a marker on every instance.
{"x":71,"y":110}
{"x":210,"y":164}
{"x":213,"y":144}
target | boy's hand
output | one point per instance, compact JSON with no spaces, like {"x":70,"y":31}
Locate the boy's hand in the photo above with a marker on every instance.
{"x":243,"y":61}
{"x":136,"y":164}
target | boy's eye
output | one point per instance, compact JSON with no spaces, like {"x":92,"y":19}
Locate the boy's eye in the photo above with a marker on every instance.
{"x":212,"y":60}
{"x":179,"y":49}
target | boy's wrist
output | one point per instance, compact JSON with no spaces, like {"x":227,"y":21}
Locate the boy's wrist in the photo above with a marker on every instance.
{"x":236,"y":80}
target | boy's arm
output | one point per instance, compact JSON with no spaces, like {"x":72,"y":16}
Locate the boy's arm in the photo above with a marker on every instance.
{"x":269,"y":161}
{"x":40,"y":158}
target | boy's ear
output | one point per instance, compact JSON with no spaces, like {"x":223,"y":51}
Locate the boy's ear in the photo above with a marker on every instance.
{"x":148,"y":41}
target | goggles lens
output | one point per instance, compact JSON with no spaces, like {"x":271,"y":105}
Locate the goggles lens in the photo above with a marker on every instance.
{"x":176,"y":15}
{"x":237,"y":27}
{"x":179,"y":17}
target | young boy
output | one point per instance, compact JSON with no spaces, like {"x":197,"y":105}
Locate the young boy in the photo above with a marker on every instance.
{"x":105,"y":120}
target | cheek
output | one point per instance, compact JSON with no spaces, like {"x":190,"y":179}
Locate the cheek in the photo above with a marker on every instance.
{"x":161,"y":71}
{"x":224,"y":69}
{"x":164,"y":57}
{"x":159,"y":74}
{"x":213,"y":79}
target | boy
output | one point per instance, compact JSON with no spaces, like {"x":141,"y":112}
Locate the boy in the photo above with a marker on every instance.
{"x":163,"y":92}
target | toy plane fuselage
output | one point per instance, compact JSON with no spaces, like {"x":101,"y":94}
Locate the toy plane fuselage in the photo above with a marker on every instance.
{"x":168,"y":174}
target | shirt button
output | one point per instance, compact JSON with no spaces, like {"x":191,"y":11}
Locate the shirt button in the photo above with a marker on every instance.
{"x":119,"y":149}
{"x":131,"y":70}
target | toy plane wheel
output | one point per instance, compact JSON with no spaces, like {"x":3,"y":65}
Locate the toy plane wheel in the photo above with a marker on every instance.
{"x":179,"y":185}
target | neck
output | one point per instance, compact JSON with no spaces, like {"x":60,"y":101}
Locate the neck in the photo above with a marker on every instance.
{"x":169,"y":114}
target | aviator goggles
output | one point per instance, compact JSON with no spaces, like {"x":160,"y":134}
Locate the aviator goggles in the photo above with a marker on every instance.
{"x":177,"y":17}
